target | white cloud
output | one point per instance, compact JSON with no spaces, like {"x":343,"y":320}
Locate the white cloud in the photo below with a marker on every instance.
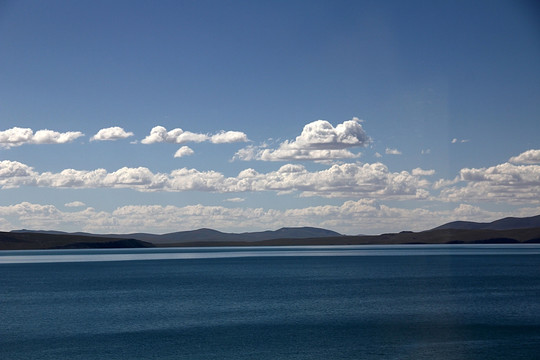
{"x":389,"y":151}
{"x":71,"y":178}
{"x":504,"y":183}
{"x":235,"y":200}
{"x":422,"y":172}
{"x":425,"y":151}
{"x":175,"y":136}
{"x":5,"y":225}
{"x":184,"y":151}
{"x":248,"y":153}
{"x":18,"y":136}
{"x":286,"y":153}
{"x":321,"y":134}
{"x":111,"y":133}
{"x":75,"y":204}
{"x":140,"y":178}
{"x":441,"y":183}
{"x":343,"y":180}
{"x":179,"y":136}
{"x":351,"y":217}
{"x":527,"y":157}
{"x":225,"y":137}
{"x":14,"y":169}
{"x":15,"y":174}
{"x":319,"y":141}
{"x":455,"y":141}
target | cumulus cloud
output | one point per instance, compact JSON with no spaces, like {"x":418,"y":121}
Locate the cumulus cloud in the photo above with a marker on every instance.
{"x":183,"y":151}
{"x":504,"y":183}
{"x":319,"y":141}
{"x":15,"y":174}
{"x":75,"y":204}
{"x":344,"y":180}
{"x":422,"y":172}
{"x":321,"y":134}
{"x":351,"y":217}
{"x":18,"y":136}
{"x":389,"y":151}
{"x":179,"y":136}
{"x":111,"y":133}
{"x":175,"y":136}
{"x":527,"y":157}
{"x":225,"y":137}
{"x":5,"y":225}
{"x":285,"y":153}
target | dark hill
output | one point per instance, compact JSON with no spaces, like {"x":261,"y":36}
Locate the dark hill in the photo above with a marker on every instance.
{"x":209,"y":235}
{"x":503,"y":231}
{"x":57,"y":240}
{"x":501,"y":224}
{"x":441,"y":236}
{"x":200,"y":235}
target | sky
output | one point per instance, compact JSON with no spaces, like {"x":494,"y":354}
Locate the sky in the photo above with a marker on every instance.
{"x":362,"y":117}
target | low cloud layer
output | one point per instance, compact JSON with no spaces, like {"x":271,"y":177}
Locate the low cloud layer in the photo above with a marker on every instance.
{"x":364,"y":186}
{"x":319,"y":141}
{"x":160,"y":134}
{"x":350,"y":217}
{"x":111,"y":133}
{"x":19,"y":136}
{"x":504,"y":183}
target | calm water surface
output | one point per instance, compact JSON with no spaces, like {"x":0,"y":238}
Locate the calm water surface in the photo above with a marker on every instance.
{"x":390,"y":302}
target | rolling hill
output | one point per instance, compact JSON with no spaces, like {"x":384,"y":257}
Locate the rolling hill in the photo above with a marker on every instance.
{"x":205,"y":235}
{"x":503,"y":231}
{"x":501,"y":224}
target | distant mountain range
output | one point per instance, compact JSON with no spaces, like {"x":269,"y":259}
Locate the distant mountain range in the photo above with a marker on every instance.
{"x":207,"y":235}
{"x":502,"y":224}
{"x":31,"y":240}
{"x":507,"y":230}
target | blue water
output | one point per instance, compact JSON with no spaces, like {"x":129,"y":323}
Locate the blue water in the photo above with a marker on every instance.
{"x":368,"y":302}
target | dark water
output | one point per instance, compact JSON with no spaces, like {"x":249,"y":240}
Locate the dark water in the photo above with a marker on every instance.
{"x":388,"y":302}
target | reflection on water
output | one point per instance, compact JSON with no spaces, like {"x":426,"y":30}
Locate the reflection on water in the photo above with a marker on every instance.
{"x":55,"y":256}
{"x":294,"y":303}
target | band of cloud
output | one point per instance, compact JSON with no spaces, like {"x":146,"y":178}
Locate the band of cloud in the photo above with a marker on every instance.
{"x":344,"y":180}
{"x":17,"y":136}
{"x":507,"y":182}
{"x":160,"y":134}
{"x":345,"y":217}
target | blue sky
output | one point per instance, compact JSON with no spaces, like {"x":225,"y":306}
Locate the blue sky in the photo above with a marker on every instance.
{"x":356,"y":116}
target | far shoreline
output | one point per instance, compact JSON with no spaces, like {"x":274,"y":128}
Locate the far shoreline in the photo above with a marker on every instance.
{"x":43,"y":241}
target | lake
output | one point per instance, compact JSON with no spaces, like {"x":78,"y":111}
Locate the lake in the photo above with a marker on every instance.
{"x":317,"y":302}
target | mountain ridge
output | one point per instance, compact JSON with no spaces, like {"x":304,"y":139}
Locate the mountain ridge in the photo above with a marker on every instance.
{"x":449,"y":233}
{"x":506,"y":223}
{"x":206,"y":234}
